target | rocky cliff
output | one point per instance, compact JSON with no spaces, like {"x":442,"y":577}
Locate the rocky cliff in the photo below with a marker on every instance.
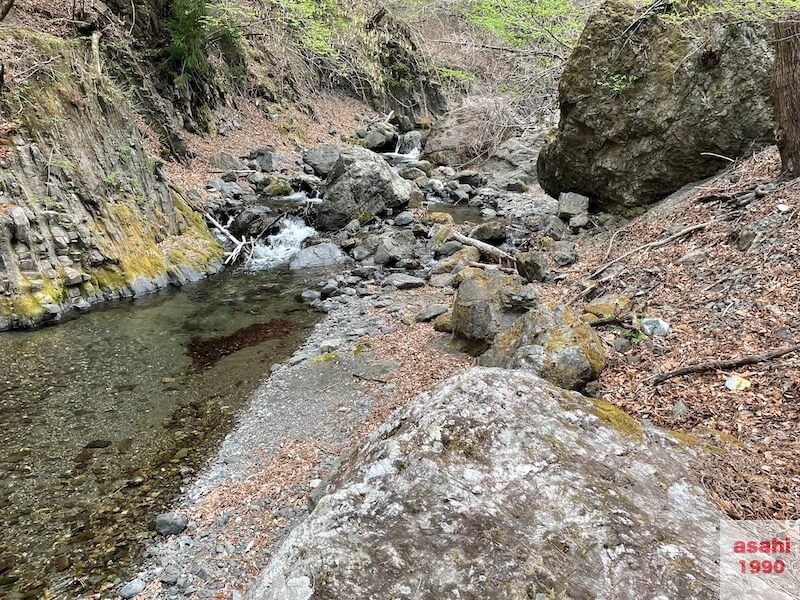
{"x":499,"y":485}
{"x":85,"y":213}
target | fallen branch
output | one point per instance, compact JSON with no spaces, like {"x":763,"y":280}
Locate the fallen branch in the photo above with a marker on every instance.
{"x":724,"y":365}
{"x":487,"y":249}
{"x":651,"y":245}
{"x":481,"y":265}
{"x":219,"y":226}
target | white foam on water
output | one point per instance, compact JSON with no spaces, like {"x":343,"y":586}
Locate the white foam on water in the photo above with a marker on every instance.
{"x":282,"y":246}
{"x":301,"y":198}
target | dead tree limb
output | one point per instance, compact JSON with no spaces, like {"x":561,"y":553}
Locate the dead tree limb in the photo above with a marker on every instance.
{"x":651,"y":245}
{"x":724,"y":365}
{"x":487,"y":249}
{"x":96,"y":34}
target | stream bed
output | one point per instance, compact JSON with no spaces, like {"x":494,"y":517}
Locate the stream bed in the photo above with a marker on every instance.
{"x":101,"y":416}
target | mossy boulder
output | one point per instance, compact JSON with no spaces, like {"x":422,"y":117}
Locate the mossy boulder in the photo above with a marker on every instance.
{"x":497,"y":484}
{"x":486,"y":303}
{"x":459,"y":260}
{"x":645,"y":96}
{"x":551,"y":342}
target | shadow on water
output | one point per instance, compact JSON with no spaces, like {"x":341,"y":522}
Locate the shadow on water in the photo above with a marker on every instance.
{"x":99,"y":415}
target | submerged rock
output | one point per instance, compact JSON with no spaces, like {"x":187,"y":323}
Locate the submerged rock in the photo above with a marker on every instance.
{"x":499,"y":485}
{"x":640,"y":105}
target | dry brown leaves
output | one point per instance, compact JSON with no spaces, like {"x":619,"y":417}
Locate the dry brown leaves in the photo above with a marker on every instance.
{"x":287,"y":131}
{"x":420,"y":366}
{"x":725,"y":304}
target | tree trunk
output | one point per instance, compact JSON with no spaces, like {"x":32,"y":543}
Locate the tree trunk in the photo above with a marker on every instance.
{"x":5,"y":6}
{"x":786,"y":91}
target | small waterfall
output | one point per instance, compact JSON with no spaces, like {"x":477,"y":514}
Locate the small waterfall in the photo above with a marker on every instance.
{"x":300,"y":198}
{"x":282,"y":246}
{"x":408,"y":149}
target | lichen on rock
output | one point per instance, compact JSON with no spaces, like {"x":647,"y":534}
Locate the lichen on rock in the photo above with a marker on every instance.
{"x":497,"y":484}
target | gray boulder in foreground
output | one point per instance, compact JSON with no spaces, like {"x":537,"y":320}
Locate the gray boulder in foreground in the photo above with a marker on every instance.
{"x":326,"y":254}
{"x":499,"y":485}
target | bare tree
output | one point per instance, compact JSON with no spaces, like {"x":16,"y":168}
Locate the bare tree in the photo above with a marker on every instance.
{"x":5,"y":7}
{"x":786,"y":91}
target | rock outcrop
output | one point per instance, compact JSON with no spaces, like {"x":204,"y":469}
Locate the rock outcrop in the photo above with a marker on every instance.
{"x":644,"y":97}
{"x":85,"y":212}
{"x":499,"y":485}
{"x":360,"y":186}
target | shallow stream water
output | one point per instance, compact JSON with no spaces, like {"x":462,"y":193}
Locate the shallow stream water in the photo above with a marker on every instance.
{"x":101,"y":414}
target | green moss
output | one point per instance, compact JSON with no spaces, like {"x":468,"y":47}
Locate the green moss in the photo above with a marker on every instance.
{"x":325,"y":358}
{"x":279,"y":187}
{"x":362,"y":347}
{"x":617,"y":418}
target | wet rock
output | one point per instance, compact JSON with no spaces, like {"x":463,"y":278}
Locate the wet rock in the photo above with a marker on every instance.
{"x":326,"y":254}
{"x":491,"y":438}
{"x":429,"y":313}
{"x":409,"y":142}
{"x":322,"y":159}
{"x":635,"y":116}
{"x":171,"y":523}
{"x":381,"y":137}
{"x":360,"y":186}
{"x":252,"y":221}
{"x":310,"y":296}
{"x":552,"y":343}
{"x":533,"y":266}
{"x":403,"y":281}
{"x":131,"y":589}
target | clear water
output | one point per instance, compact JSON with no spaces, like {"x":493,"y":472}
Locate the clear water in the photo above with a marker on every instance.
{"x":461,"y":213}
{"x":99,"y":415}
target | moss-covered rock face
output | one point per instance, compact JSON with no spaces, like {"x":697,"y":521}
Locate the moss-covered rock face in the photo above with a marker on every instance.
{"x":553,"y":343}
{"x":499,"y":485}
{"x":642,"y":98}
{"x":86,"y":214}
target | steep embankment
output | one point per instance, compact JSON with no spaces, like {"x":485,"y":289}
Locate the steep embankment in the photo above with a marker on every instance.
{"x":85,"y":213}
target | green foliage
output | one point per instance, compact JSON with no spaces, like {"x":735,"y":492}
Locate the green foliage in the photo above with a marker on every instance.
{"x":521,"y":22}
{"x":618,"y":83}
{"x":457,"y":76}
{"x":194,"y":26}
{"x":315,"y":20}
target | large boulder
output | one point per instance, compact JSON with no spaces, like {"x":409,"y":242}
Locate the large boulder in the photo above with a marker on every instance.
{"x":499,"y":485}
{"x":322,"y":158}
{"x":551,"y":342}
{"x":512,"y":166}
{"x":486,"y":303}
{"x":360,"y":186}
{"x":322,"y":255}
{"x":643,"y":97}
